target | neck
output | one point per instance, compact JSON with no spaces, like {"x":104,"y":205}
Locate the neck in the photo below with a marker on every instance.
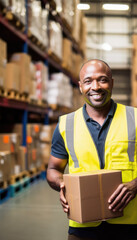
{"x":98,"y":114}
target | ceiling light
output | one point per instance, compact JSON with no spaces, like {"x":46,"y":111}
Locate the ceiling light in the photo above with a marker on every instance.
{"x":118,"y":7}
{"x":82,"y":6}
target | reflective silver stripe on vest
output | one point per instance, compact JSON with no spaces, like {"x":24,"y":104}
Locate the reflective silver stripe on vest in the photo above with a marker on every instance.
{"x":70,"y":138}
{"x":131,"y":132}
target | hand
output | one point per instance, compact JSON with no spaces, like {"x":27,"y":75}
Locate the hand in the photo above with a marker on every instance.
{"x":63,"y":199}
{"x":122,"y":196}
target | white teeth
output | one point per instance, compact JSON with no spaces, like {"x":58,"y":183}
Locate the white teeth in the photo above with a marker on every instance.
{"x":96,"y":96}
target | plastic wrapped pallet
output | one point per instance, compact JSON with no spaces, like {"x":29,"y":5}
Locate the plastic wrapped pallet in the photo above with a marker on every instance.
{"x":59,"y":6}
{"x":68,"y":11}
{"x":60,"y":90}
{"x":41,"y":81}
{"x":18,"y":8}
{"x":38,"y":21}
{"x":55,"y":38}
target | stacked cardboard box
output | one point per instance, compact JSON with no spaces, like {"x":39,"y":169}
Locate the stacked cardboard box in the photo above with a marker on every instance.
{"x":3,"y":61}
{"x":45,"y":143}
{"x":33,"y":82}
{"x":5,"y":166}
{"x":32,"y":150}
{"x":12,"y":77}
{"x":67,"y":53}
{"x":134,"y":72}
{"x":10,"y":142}
{"x":23,"y":61}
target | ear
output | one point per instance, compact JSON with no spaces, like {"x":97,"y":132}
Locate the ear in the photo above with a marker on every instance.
{"x":80,"y":87}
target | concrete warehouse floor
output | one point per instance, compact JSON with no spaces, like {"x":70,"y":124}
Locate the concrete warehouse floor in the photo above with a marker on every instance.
{"x":34,"y":214}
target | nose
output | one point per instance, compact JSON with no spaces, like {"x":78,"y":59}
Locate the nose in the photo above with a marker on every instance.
{"x":95,"y":85}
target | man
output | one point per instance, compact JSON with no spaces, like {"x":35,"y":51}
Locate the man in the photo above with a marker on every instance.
{"x":100,"y":135}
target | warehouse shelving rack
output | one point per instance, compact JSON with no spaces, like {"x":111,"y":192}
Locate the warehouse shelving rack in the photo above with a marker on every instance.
{"x":18,"y":39}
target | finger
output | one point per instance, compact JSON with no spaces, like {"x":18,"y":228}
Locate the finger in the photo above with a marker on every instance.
{"x":126,"y":203}
{"x":62,"y":196}
{"x":119,"y":200}
{"x":115,"y":193}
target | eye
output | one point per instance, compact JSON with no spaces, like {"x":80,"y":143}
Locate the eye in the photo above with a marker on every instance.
{"x":87,"y":81}
{"x":103,"y":80}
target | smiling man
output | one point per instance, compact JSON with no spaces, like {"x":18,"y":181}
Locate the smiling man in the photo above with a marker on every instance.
{"x":100,"y":135}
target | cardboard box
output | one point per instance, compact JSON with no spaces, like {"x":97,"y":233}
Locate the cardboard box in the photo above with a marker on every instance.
{"x":21,"y":157}
{"x":2,"y":76}
{"x":88,"y":193}
{"x":23,"y":61}
{"x":3,"y":53}
{"x":12,"y":77}
{"x":5,"y":165}
{"x":45,"y":149}
{"x":9,"y":142}
{"x":66,"y":53}
{"x":46,"y":133}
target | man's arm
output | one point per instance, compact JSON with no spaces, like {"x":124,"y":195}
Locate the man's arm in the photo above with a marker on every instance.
{"x":56,"y":167}
{"x":123,"y":195}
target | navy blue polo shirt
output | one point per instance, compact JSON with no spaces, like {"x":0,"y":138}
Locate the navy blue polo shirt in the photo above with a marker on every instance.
{"x":97,"y":132}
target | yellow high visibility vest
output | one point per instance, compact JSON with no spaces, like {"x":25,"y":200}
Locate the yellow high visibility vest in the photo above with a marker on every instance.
{"x":120,"y":151}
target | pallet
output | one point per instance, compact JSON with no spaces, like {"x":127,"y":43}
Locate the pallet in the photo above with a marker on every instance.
{"x":17,"y":177}
{"x":25,"y":182}
{"x":4,"y":184}
{"x":4,"y":194}
{"x":19,"y":186}
{"x":11,"y":94}
{"x":15,"y":189}
{"x":34,"y":174}
{"x":24,"y":97}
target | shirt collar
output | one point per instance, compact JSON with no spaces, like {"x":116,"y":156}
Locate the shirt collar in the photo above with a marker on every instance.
{"x":110,"y":114}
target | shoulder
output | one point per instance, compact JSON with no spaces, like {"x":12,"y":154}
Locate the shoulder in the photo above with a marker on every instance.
{"x":67,"y":117}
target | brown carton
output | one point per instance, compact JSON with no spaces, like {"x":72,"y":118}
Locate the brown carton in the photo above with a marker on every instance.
{"x":66,"y":54}
{"x":9,"y":142}
{"x":46,"y":133}
{"x":88,"y":193}
{"x":21,"y":157}
{"x":45,"y":149}
{"x":23,"y":61}
{"x":12,"y":77}
{"x":2,"y":76}
{"x":3,"y":53}
{"x":5,"y":166}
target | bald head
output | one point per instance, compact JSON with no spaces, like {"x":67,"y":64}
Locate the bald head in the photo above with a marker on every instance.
{"x":96,"y":63}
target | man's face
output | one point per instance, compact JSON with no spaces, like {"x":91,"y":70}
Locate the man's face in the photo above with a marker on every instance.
{"x":96,"y":83}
